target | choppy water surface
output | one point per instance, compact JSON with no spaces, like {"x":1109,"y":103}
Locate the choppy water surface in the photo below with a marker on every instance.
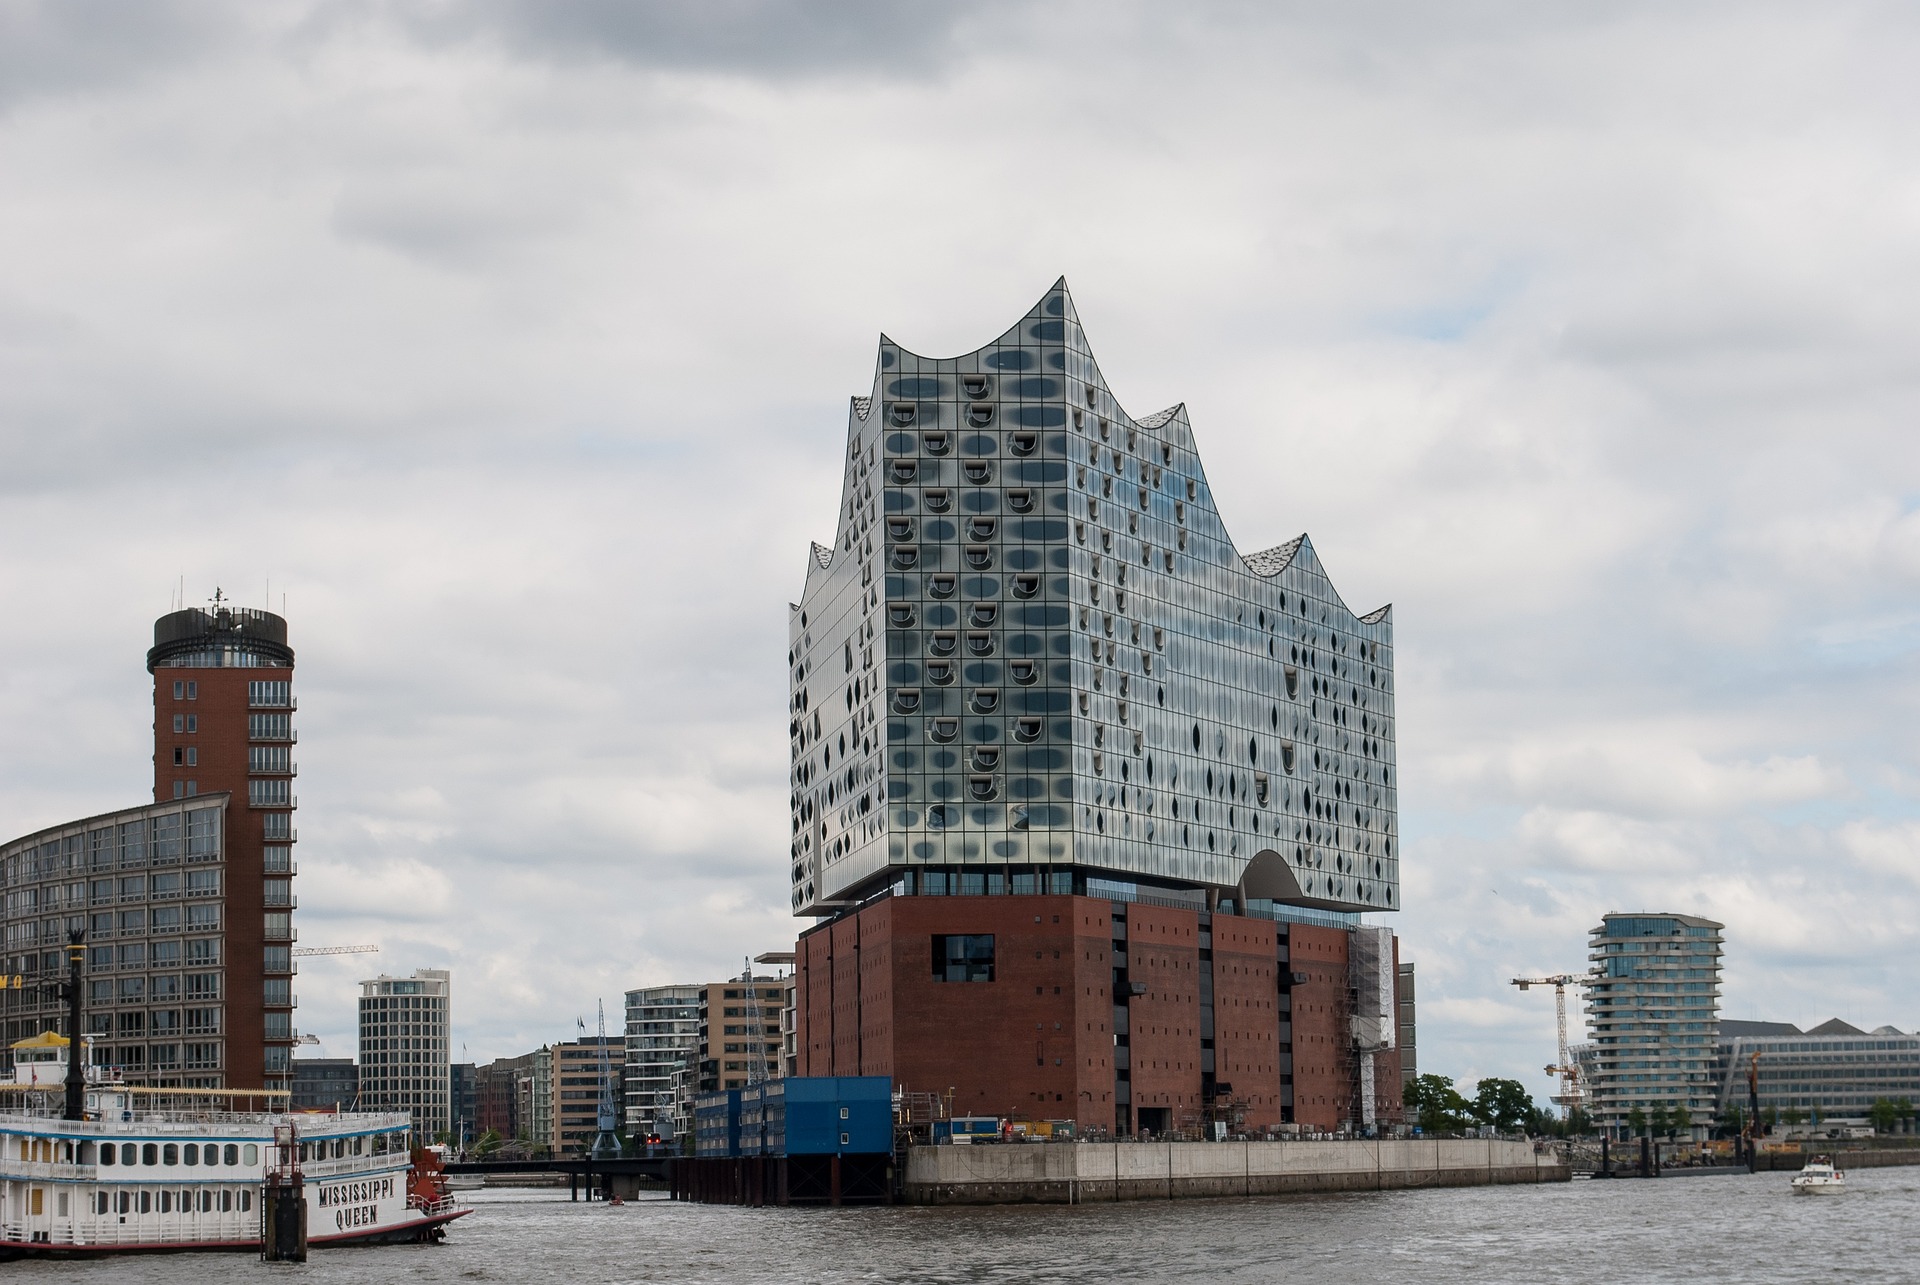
{"x":1696,"y":1230}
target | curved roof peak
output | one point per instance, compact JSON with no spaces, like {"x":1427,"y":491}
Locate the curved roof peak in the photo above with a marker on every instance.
{"x":1049,"y":320}
{"x":1271,"y":562}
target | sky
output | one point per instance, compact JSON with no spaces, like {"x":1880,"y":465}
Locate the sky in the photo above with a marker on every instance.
{"x":505,"y":346}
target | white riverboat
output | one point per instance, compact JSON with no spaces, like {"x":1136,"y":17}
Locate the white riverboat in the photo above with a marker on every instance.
{"x":180,"y":1169}
{"x":1819,"y":1178}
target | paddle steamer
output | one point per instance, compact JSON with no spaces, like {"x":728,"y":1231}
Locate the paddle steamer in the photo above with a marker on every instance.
{"x":185,"y":1169}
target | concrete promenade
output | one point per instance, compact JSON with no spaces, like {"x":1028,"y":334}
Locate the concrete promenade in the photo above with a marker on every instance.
{"x":1078,"y":1172}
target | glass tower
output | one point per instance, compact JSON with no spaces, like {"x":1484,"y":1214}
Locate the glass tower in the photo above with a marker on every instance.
{"x":1653,"y":1006}
{"x":1032,"y":660}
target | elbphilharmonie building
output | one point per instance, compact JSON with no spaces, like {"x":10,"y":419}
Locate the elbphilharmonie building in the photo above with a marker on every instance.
{"x":1033,"y":657}
{"x":1089,"y":803}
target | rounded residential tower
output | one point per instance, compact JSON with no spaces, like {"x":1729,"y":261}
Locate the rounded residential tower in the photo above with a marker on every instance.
{"x":223,"y":723}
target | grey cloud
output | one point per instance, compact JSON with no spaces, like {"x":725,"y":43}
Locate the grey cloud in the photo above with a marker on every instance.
{"x":781,"y":38}
{"x":55,"y":48}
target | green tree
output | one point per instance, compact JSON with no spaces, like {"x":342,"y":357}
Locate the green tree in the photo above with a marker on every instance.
{"x":1793,"y":1115}
{"x":1502,"y":1104}
{"x":1437,"y":1105}
{"x":1636,"y":1122}
{"x":1885,"y":1114}
{"x":1680,"y":1121}
{"x":1659,"y":1121}
{"x":1733,"y":1122}
{"x":488,"y":1143}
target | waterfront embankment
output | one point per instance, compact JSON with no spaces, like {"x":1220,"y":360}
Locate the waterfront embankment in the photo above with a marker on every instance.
{"x":1775,"y":1161}
{"x":1090,"y":1172}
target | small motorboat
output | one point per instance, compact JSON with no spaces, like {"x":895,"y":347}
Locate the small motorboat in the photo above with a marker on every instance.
{"x":1819,"y":1177}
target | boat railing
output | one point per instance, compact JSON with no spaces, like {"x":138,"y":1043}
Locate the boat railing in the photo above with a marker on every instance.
{"x":168,"y":1120}
{"x":431,"y":1208}
{"x":193,"y":1230}
{"x":357,"y":1165}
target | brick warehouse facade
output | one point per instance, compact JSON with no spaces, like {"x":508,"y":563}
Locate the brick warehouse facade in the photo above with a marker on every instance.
{"x":1051,"y":730}
{"x":1121,"y":1016}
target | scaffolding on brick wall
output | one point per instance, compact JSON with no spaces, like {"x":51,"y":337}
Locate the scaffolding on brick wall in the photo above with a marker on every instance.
{"x":1372,"y":1022}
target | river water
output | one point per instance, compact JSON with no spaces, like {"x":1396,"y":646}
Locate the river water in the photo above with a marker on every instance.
{"x":1701,"y":1230}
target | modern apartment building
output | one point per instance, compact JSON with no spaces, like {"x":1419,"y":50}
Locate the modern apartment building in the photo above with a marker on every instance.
{"x":1834,"y":1072}
{"x":465,"y":1102}
{"x":405,"y":1034}
{"x":662,"y":1033}
{"x":685,"y":1040}
{"x":539,"y":1104}
{"x":325,"y":1084}
{"x":186,"y":904}
{"x":1653,"y":1010}
{"x":740,"y":1032}
{"x":503,"y":1092}
{"x":1090,"y":801}
{"x":575,"y":1092}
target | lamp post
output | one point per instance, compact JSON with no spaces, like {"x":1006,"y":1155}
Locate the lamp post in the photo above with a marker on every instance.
{"x":76,"y":1068}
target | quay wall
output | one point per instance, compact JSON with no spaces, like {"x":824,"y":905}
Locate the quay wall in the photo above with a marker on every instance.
{"x":1080,"y":1172}
{"x":1842,"y":1160}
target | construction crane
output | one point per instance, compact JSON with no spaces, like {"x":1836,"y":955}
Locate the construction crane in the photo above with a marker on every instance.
{"x":757,"y":1068}
{"x":334,"y":950}
{"x":1573,"y":1095}
{"x":606,"y":1139}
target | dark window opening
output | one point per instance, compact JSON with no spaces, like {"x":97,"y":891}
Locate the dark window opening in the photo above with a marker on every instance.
{"x":963,"y":957}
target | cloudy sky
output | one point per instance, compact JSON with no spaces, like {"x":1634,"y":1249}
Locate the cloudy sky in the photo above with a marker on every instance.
{"x":510,"y":342}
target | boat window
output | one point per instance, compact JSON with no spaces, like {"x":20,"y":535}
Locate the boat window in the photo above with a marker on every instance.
{"x":129,"y":1154}
{"x":190,"y":1155}
{"x":226,"y":1201}
{"x":150,"y":1154}
{"x":253,"y":1154}
{"x":246,"y":1200}
{"x":170,"y":1154}
{"x":146,"y":1202}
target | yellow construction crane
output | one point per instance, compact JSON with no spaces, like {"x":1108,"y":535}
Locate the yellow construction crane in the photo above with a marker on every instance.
{"x":1573,"y":1094}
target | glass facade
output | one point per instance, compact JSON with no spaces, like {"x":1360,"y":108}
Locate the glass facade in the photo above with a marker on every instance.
{"x":140,"y":883}
{"x":1653,"y":1007}
{"x":1032,"y":656}
{"x":1833,"y":1072}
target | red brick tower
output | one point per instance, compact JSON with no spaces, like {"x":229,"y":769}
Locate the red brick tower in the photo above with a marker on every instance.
{"x":223,"y":706}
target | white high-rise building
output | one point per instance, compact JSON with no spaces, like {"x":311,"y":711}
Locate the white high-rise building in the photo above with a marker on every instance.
{"x":405,"y":1037}
{"x":663,"y":1031}
{"x":1653,"y":1009}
